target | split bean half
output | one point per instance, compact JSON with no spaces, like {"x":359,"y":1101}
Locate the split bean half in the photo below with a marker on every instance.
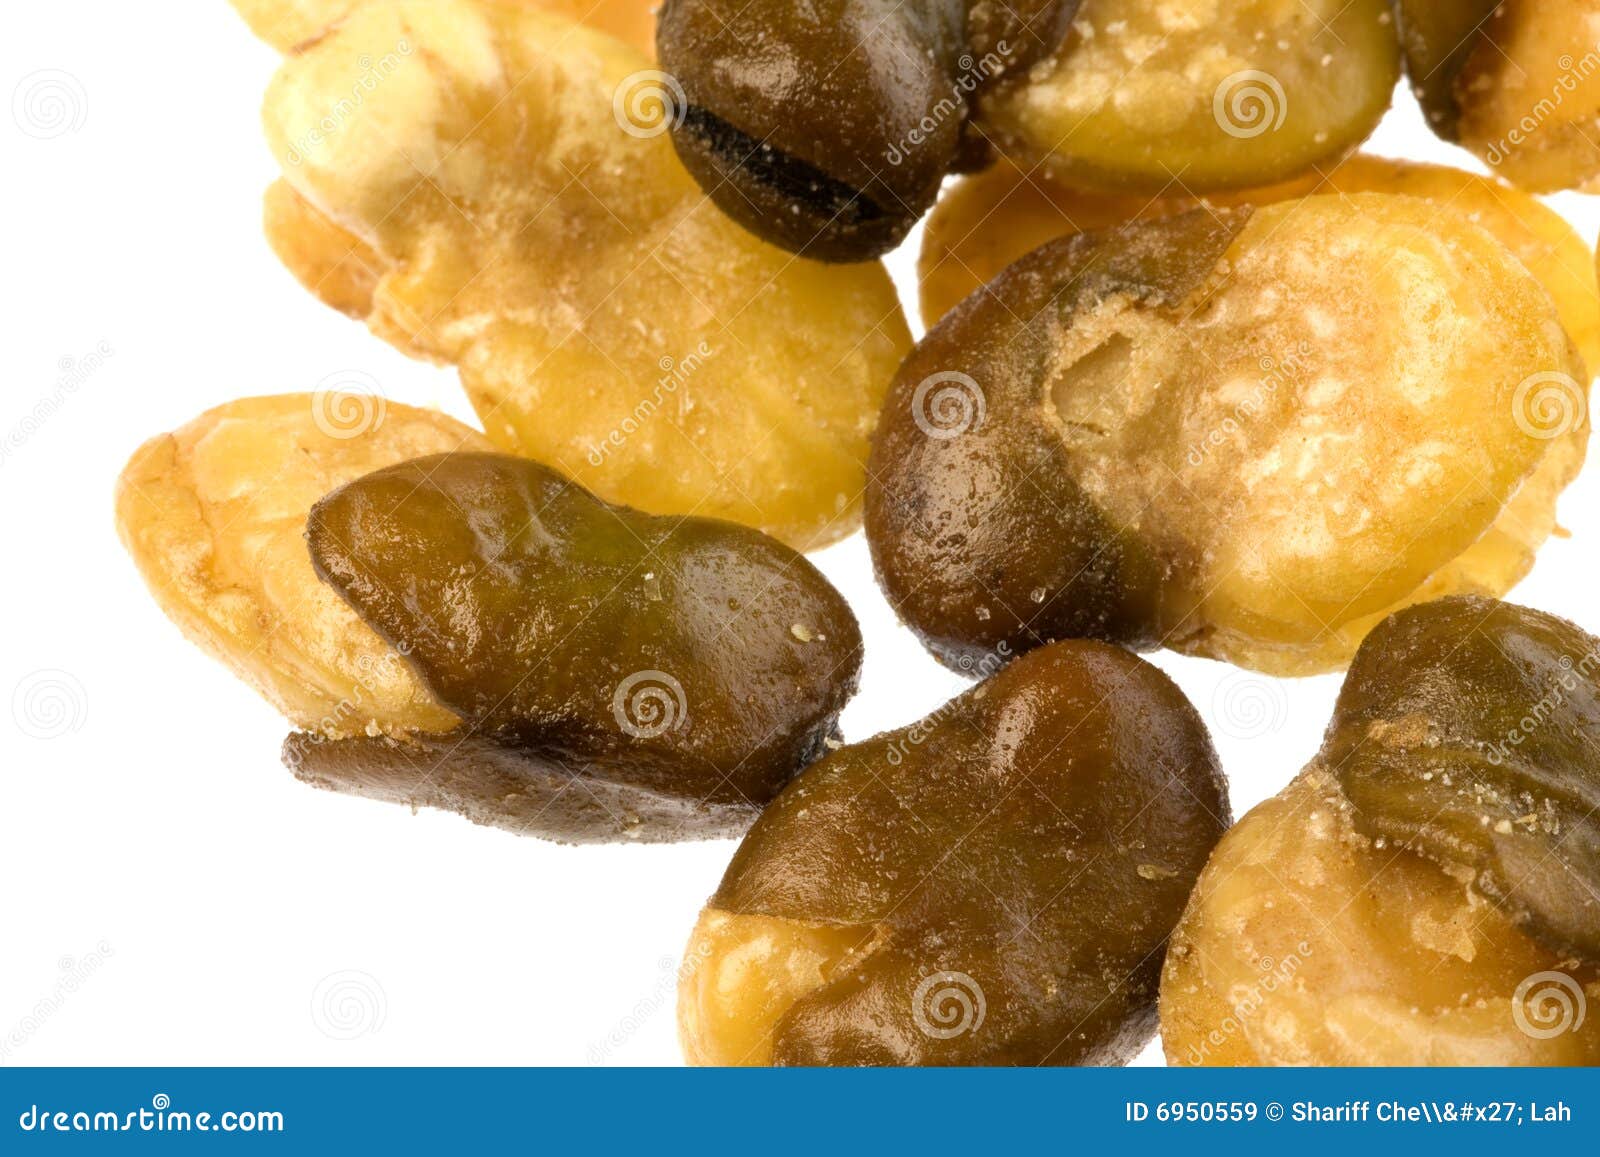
{"x":1427,"y":891}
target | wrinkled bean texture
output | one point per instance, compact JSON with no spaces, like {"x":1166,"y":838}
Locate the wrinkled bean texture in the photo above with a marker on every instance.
{"x":1468,"y":730}
{"x":992,"y":885}
{"x":619,"y":675}
{"x":502,"y":197}
{"x":1515,"y":81}
{"x":1247,"y":435}
{"x":1427,"y":892}
{"x":827,"y":127}
{"x":985,"y":222}
{"x":214,"y":515}
{"x":1198,"y":95}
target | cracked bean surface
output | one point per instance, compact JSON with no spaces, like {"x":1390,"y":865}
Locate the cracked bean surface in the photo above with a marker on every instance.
{"x":1243,"y":434}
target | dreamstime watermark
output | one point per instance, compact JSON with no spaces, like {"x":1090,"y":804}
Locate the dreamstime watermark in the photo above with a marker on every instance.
{"x":663,"y":994}
{"x":674,"y":373}
{"x":1549,"y":405}
{"x":648,"y":103}
{"x":1573,"y":73}
{"x":1549,"y":1004}
{"x":1249,"y":104}
{"x":373,"y":671}
{"x":948,"y":404}
{"x":49,"y":103}
{"x":160,"y":1118}
{"x":1247,"y":1000}
{"x":947,"y":1005}
{"x":1249,"y":707}
{"x":914,"y":736}
{"x":49,"y":703}
{"x":349,"y":1004}
{"x":974,"y":74}
{"x":348,"y":404}
{"x":1575,"y":674}
{"x":74,"y":372}
{"x":373,"y":74}
{"x":1275,"y":374}
{"x":75,"y":971}
{"x":648,"y":704}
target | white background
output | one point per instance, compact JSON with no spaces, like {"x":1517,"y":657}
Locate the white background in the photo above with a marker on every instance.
{"x":170,"y":893}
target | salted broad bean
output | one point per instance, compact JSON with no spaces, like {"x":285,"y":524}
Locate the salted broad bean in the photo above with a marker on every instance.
{"x":472,"y":631}
{"x":1247,"y":434}
{"x":1466,"y":732}
{"x":1427,"y":892}
{"x":991,"y":885}
{"x":618,"y":675}
{"x":503,"y":197}
{"x":1515,"y":81}
{"x":827,"y":127}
